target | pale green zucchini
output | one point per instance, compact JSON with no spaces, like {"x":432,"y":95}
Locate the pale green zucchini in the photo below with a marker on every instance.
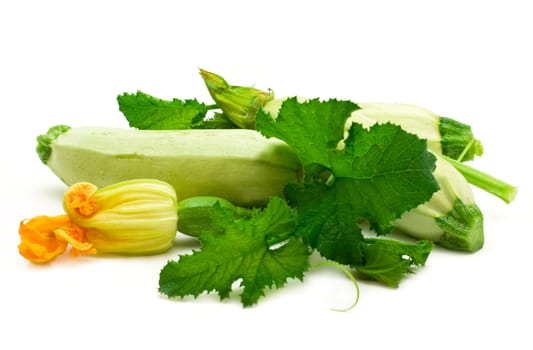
{"x":240,"y":166}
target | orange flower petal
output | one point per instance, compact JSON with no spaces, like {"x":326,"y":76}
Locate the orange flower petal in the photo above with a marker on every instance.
{"x":77,"y":252}
{"x":38,"y":241}
{"x":43,"y":238}
{"x":77,"y":237}
{"x":79,"y":198}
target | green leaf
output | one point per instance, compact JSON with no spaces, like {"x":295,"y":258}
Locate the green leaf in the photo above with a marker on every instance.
{"x":313,"y":128}
{"x":261,"y":251}
{"x":218,"y":121}
{"x":146,"y":112}
{"x":328,"y":220}
{"x":378,"y":174}
{"x":389,"y":170}
{"x":388,"y":261}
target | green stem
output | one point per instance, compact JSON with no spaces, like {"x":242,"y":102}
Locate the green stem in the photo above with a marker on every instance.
{"x":44,"y":142}
{"x":484,"y":181}
{"x":195,"y":214}
{"x":457,"y":140}
{"x":347,"y":273}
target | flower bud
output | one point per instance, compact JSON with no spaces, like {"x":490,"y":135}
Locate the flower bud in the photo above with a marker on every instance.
{"x":239,"y":103}
{"x":134,"y":217}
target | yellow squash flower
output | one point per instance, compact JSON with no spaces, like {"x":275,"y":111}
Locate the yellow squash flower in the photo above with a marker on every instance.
{"x":43,"y":238}
{"x":136,"y":217}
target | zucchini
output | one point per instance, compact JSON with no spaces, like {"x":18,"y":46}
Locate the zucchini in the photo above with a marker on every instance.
{"x":238,"y":165}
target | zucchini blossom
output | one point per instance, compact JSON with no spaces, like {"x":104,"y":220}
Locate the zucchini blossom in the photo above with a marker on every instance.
{"x":43,"y":238}
{"x":136,"y":217}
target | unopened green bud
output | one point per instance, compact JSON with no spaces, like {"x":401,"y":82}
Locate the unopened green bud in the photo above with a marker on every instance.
{"x":239,"y":103}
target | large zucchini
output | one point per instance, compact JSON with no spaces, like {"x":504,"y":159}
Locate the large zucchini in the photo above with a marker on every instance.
{"x":239,"y":165}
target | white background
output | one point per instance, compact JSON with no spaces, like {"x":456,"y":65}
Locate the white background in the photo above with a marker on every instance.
{"x":66,"y":61}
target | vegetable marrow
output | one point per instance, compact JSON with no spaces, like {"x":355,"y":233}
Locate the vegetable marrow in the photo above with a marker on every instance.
{"x":238,"y":165}
{"x":451,"y":217}
{"x":445,"y":136}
